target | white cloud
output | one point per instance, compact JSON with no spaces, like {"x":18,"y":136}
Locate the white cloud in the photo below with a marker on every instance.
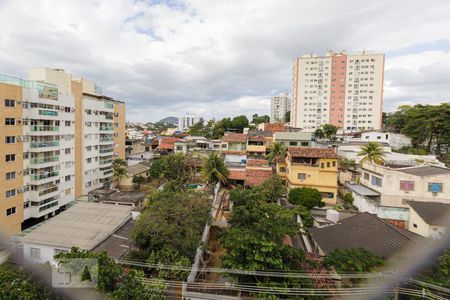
{"x":220,"y":58}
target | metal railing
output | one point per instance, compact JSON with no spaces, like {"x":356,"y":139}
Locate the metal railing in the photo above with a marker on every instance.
{"x":48,"y":190}
{"x":44,"y":160}
{"x":44,"y":128}
{"x":44,"y":175}
{"x":44,"y":144}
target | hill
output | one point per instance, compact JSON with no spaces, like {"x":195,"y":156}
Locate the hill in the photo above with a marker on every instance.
{"x":170,"y":120}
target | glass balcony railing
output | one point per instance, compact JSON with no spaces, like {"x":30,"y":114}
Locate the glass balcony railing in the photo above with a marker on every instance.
{"x":109,"y":150}
{"x":106,"y":128}
{"x":109,"y":139}
{"x":107,"y":172}
{"x":44,"y":175}
{"x":45,"y":112}
{"x":43,"y":160}
{"x":44,"y":128}
{"x":48,"y":190}
{"x":106,"y":161}
{"x":44,"y":144}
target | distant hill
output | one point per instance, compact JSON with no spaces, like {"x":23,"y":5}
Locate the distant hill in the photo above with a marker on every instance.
{"x":171,"y":120}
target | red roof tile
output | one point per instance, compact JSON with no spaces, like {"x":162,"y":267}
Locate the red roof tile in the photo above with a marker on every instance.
{"x":235,"y":137}
{"x":257,"y":176}
{"x":280,"y":159}
{"x":312,"y":152}
{"x":237,"y":175}
{"x":256,"y":138}
{"x":257,"y":163}
{"x":274,"y":127}
{"x":166,"y":143}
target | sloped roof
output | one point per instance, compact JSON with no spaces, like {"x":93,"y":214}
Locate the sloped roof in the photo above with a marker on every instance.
{"x":257,"y":176}
{"x":235,"y":137}
{"x":137,"y":169}
{"x":274,"y":127}
{"x":366,"y":231}
{"x":257,"y":163}
{"x":166,"y":143}
{"x":236,"y":174}
{"x":425,"y":171}
{"x":433,"y":213}
{"x":312,"y":152}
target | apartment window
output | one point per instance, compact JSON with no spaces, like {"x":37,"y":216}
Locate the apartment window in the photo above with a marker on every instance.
{"x":322,"y":165}
{"x":88,"y":148}
{"x":10,"y":121}
{"x":67,"y":109}
{"x":89,"y":160}
{"x":67,"y":178}
{"x":10,"y":139}
{"x":10,"y":211}
{"x":435,"y":187}
{"x":406,"y":185}
{"x":10,"y":175}
{"x":10,"y":157}
{"x":67,"y":150}
{"x":58,"y":251}
{"x":328,"y":164}
{"x":366,"y":176}
{"x":333,"y":164}
{"x":10,"y":103}
{"x":292,"y":143}
{"x":67,"y":192}
{"x":377,"y":181}
{"x":67,"y":123}
{"x":35,"y":252}
{"x":10,"y":193}
{"x":301,"y":176}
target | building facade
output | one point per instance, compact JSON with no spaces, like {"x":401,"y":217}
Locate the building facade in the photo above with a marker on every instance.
{"x":186,"y":121}
{"x":339,"y":89}
{"x":57,"y":143}
{"x":279,"y":106}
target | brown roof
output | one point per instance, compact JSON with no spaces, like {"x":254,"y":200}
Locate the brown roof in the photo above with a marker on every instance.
{"x":256,"y":138}
{"x":280,"y":159}
{"x":257,"y":176}
{"x":257,"y":163}
{"x":236,"y":175}
{"x":137,"y":169}
{"x":312,"y":152}
{"x":235,"y":137}
{"x":433,"y":213}
{"x":274,"y":127}
{"x":366,"y":231}
{"x":167,"y":142}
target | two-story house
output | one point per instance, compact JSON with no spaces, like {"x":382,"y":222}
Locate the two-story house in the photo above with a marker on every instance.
{"x":311,"y":167}
{"x":234,"y":149}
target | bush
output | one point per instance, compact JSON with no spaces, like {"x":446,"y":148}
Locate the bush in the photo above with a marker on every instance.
{"x":348,"y":199}
{"x":307,"y":197}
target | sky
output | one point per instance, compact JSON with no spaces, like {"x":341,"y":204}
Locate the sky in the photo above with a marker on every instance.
{"x":218,"y":58}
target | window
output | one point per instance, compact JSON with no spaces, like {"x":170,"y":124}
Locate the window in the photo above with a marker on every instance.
{"x":292,"y":143}
{"x":10,"y":157}
{"x":406,"y":185}
{"x":301,"y":176}
{"x":67,"y":150}
{"x":10,"y":139}
{"x":89,"y":160}
{"x":10,"y":211}
{"x":283,"y":169}
{"x":10,"y":193}
{"x":67,"y":178}
{"x":377,"y":181}
{"x":67,"y":192}
{"x":35,"y":252}
{"x":10,"y":103}
{"x":67,"y":123}
{"x":304,"y":144}
{"x":10,"y":175}
{"x":366,"y":176}
{"x":328,"y":164}
{"x":58,"y":251}
{"x":334,"y":164}
{"x":67,"y":109}
{"x":10,"y":121}
{"x":322,"y":165}
{"x":435,"y":187}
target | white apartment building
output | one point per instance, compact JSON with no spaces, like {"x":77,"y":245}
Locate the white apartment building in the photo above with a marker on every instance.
{"x":279,"y":106}
{"x":339,"y":89}
{"x":394,"y":140}
{"x":185,"y":122}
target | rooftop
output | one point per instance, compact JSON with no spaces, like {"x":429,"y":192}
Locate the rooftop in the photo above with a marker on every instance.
{"x":366,"y":231}
{"x":235,"y":137}
{"x":362,"y":190}
{"x":274,"y":127}
{"x":257,"y":163}
{"x":425,"y":171}
{"x":137,"y":169}
{"x":118,"y":244}
{"x":84,"y":225}
{"x":433,"y":213}
{"x":312,"y":152}
{"x":257,"y":176}
{"x":236,"y":174}
{"x":166,"y":143}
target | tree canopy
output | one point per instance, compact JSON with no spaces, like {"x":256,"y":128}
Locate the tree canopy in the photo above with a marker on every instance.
{"x":276,"y":151}
{"x":260,"y":119}
{"x":372,"y":152}
{"x":306,"y":197}
{"x":214,"y":168}
{"x":353,"y":260}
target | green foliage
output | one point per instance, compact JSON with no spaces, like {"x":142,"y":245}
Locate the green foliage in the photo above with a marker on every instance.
{"x":119,"y":167}
{"x":439,"y":271}
{"x":412,"y":150}
{"x":372,"y":152}
{"x":173,"y":218}
{"x":306,"y":197}
{"x":169,"y":256}
{"x":138,"y":181}
{"x":157,"y":168}
{"x":319,"y":134}
{"x":287,"y":117}
{"x":353,"y":260}
{"x":260,"y":119}
{"x":276,"y":150}
{"x":348,"y":199}
{"x":305,"y":214}
{"x":239,"y":122}
{"x":15,"y":283}
{"x":214,"y":168}
{"x":329,"y":131}
{"x":347,"y":164}
{"x":271,"y":189}
{"x":173,"y":167}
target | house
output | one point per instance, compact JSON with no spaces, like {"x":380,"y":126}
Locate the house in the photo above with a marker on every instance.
{"x":387,"y":189}
{"x":166,"y":144}
{"x":272,"y":127}
{"x":257,"y":171}
{"x":84,"y":225}
{"x":429,"y":219}
{"x":192,"y":143}
{"x":366,"y":231}
{"x":256,"y":144}
{"x":234,"y":149}
{"x":395,"y":140}
{"x":311,"y":167}
{"x":294,"y":139}
{"x":126,"y":182}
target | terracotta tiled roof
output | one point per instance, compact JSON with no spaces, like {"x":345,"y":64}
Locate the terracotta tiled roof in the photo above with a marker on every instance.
{"x":256,"y":138}
{"x":166,"y":143}
{"x":280,"y":159}
{"x":257,"y":176}
{"x":312,"y":152}
{"x":235,"y":137}
{"x":257,"y":163}
{"x":233,"y":151}
{"x":274,"y":127}
{"x":237,"y":174}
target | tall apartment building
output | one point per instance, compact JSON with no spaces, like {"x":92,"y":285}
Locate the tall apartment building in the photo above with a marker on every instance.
{"x":185,"y":122}
{"x":279,"y":106}
{"x":58,"y":138}
{"x":339,"y":89}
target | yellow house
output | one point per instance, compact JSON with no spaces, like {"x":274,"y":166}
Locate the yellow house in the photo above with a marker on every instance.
{"x":311,"y":167}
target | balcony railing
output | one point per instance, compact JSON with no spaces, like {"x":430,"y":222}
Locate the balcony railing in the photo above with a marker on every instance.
{"x":106,"y":128}
{"x":106,"y":139}
{"x":106,"y":161}
{"x":44,"y":144}
{"x":44,"y":175}
{"x":48,"y":190}
{"x":44,"y":128}
{"x":107,"y":172}
{"x":109,"y":150}
{"x":44,"y":160}
{"x":45,"y":112}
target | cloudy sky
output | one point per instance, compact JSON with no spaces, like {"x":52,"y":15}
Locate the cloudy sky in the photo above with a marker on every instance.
{"x":223,"y":58}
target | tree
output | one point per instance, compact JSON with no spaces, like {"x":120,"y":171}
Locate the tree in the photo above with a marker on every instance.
{"x":353,"y":260}
{"x":176,"y":168}
{"x":319,"y":134}
{"x":119,"y":167}
{"x":329,"y":131}
{"x":169,"y":257}
{"x":271,"y":189}
{"x":348,"y":200}
{"x":260,"y":119}
{"x":276,"y":151}
{"x":306,"y":197}
{"x":439,"y":271}
{"x":287,"y":117}
{"x":239,"y":122}
{"x":214,"y":168}
{"x":138,"y":181}
{"x":372,"y":152}
{"x":347,"y":164}
{"x":157,"y":168}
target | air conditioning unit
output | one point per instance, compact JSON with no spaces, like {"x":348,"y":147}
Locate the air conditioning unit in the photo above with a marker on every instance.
{"x":19,"y":101}
{"x":21,"y":190}
{"x":19,"y":139}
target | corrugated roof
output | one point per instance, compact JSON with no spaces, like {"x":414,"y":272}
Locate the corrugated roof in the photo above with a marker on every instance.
{"x":433,"y":213}
{"x":366,"y":231}
{"x":425,"y":170}
{"x":362,"y":190}
{"x":312,"y":152}
{"x":166,"y":143}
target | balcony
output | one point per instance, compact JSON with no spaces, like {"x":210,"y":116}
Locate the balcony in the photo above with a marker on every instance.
{"x":45,"y":175}
{"x":44,"y":144}
{"x":47,"y":191}
{"x":106,"y":161}
{"x":109,"y":150}
{"x":43,"y":128}
{"x":44,"y":160}
{"x":256,"y":148}
{"x":46,"y":112}
{"x":106,"y":140}
{"x":106,"y":128}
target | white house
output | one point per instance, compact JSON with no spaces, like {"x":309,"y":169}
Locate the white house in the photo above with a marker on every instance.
{"x":429,"y":219}
{"x":395,"y":140}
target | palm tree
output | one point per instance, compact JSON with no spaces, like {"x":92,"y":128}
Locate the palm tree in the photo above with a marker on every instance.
{"x":276,"y":150}
{"x":214,"y":168}
{"x":119,"y":167}
{"x":372,"y":152}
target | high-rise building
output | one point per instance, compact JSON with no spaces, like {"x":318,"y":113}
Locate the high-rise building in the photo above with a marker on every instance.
{"x":58,"y":138}
{"x":279,"y":106}
{"x":185,"y":122}
{"x":345,"y":90}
